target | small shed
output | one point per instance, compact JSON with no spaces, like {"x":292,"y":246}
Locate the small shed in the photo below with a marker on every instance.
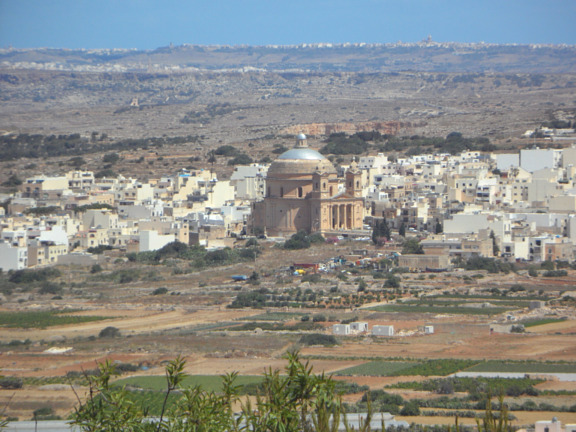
{"x":341,"y":329}
{"x":383,"y":330}
{"x":358,"y":327}
{"x":429,"y":329}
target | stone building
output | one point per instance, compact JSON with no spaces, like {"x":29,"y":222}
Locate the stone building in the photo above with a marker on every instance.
{"x":303,"y":192}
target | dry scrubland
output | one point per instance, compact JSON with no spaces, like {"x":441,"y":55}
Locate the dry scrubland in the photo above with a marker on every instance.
{"x":257,"y":111}
{"x":192,"y":319}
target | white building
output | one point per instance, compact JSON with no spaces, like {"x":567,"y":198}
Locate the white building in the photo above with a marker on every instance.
{"x":553,"y":425}
{"x":249,"y":181}
{"x":506,"y":161}
{"x":466,"y":223}
{"x":12,"y":258}
{"x":536,"y":159}
{"x":370,"y":162}
{"x":358,"y":327}
{"x":383,"y":330}
{"x":341,"y":329}
{"x":151,"y":240}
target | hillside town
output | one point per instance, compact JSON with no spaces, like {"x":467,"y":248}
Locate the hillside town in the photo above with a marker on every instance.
{"x":516,"y":206}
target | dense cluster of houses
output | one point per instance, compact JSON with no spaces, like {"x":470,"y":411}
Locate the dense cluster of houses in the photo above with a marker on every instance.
{"x":520,"y":206}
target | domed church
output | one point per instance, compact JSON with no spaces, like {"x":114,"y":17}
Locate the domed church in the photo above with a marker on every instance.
{"x":303,"y":192}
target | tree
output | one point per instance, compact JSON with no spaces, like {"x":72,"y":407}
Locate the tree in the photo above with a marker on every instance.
{"x":392,"y":281}
{"x":402,"y":230}
{"x":380,"y":231}
{"x":495,"y":247}
{"x":438,"y":228}
{"x":300,"y":240}
{"x":13,"y":181}
{"x":241,"y":159}
{"x":111,"y":158}
{"x":226,"y":150}
{"x":211,"y":157}
{"x":410,"y":409}
{"x":412,"y":246}
{"x":109,"y":332}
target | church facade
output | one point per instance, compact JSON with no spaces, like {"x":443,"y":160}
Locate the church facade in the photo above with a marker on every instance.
{"x":303,"y":192}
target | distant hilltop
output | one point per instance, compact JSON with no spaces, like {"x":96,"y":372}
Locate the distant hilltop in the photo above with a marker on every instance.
{"x":424,"y":56}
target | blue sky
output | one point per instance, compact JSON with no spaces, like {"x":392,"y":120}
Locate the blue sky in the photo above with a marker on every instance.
{"x":148,"y":24}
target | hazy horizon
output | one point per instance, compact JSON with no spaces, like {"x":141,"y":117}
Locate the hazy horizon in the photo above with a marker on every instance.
{"x":147,"y":24}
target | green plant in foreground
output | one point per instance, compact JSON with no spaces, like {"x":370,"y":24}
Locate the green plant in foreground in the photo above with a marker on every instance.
{"x":298,"y":400}
{"x":494,"y":421}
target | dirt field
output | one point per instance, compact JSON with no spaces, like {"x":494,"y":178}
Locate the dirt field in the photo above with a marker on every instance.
{"x":155,"y":329}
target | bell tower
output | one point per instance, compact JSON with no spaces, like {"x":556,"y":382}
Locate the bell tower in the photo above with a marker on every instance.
{"x":354,"y":181}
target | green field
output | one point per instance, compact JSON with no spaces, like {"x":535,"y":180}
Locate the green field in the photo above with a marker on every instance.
{"x":207,"y":382}
{"x":42,"y":319}
{"x":275,"y":316}
{"x":441,"y":309}
{"x":523,"y":367}
{"x":441,"y":302}
{"x":376,"y":368}
{"x":440,"y":367}
{"x":542,"y":322}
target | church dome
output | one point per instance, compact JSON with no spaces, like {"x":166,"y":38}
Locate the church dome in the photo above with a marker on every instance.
{"x":300,"y":160}
{"x":301,"y":154}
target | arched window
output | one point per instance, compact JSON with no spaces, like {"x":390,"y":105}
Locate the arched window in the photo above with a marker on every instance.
{"x":300,"y":192}
{"x":331,"y":191}
{"x":281,"y":192}
{"x":357,"y":184}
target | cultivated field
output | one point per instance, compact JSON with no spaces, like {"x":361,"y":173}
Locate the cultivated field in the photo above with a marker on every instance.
{"x":192,"y":319}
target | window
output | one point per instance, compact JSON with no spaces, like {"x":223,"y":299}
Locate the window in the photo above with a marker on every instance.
{"x":281,"y":192}
{"x":300,"y":192}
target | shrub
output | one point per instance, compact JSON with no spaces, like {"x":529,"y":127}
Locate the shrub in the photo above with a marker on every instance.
{"x":318,"y":339}
{"x":410,"y":409}
{"x":111,"y":158}
{"x":160,"y":291}
{"x":392,"y":282}
{"x":50,"y":288}
{"x":555,"y":273}
{"x":96,"y":268}
{"x":11,"y":383}
{"x":317,"y":238}
{"x":311,"y":277}
{"x":251,"y":242}
{"x":125,"y":367}
{"x":226,"y":150}
{"x":98,"y":250}
{"x":109,"y":332}
{"x":29,"y":276}
{"x":241,"y":159}
{"x":300,"y":240}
